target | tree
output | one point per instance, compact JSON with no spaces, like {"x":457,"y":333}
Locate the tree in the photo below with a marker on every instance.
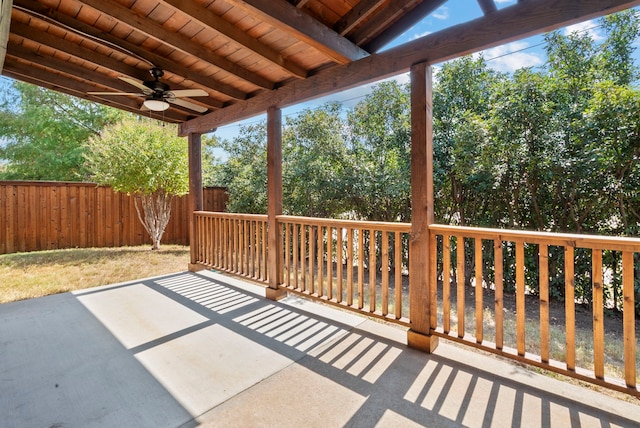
{"x":146,"y":159}
{"x":46,"y":131}
{"x":379,"y":185}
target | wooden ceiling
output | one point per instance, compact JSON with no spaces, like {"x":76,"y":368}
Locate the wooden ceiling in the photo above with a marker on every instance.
{"x":248,"y":55}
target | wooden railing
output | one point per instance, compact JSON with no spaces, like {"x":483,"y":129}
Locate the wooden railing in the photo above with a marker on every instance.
{"x":358,"y":265}
{"x":525,"y":331}
{"x":233,"y":243}
{"x":504,"y":308}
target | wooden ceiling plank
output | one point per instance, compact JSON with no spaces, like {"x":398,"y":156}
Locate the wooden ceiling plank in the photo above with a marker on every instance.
{"x":359,"y":13}
{"x":158,"y":32}
{"x":292,"y":20}
{"x":109,"y":40}
{"x":515,"y":22}
{"x":209,"y":19}
{"x":487,"y":6}
{"x":73,"y":49}
{"x":403,"y":24}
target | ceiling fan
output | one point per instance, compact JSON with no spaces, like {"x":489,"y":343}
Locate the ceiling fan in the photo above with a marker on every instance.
{"x":158,"y":94}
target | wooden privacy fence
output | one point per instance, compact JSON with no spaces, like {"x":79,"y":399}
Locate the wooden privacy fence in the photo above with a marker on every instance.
{"x":503,"y":306}
{"x":48,"y":215}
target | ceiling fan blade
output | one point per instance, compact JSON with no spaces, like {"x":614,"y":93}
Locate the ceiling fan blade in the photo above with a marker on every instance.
{"x":137,"y":94}
{"x":189,"y":93}
{"x":188,"y":104}
{"x":136,"y":83}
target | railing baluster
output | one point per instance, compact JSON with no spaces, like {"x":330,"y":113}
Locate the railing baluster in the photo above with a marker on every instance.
{"x":598,"y":315}
{"x":303,"y":256}
{"x":520,"y":307}
{"x":570,"y":310}
{"x":360,"y":268}
{"x":372,"y":270}
{"x":312,"y":247}
{"x":287,"y":256}
{"x":544,"y":302}
{"x":398,"y":274}
{"x":460,"y":276}
{"x":265,"y":275}
{"x":433,"y":278}
{"x":479,"y":291}
{"x":499,"y":302}
{"x":330,"y":263}
{"x":629,"y":323}
{"x":339,"y":257}
{"x":296,"y":232}
{"x":350,"y":266}
{"x":320,"y":254}
{"x":446,"y":283}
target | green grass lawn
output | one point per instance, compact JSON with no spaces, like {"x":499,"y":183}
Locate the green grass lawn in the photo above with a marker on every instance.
{"x":35,"y":274}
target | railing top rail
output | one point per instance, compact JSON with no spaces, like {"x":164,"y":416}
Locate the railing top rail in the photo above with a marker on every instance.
{"x":549,"y":238}
{"x":355,"y":224}
{"x":236,"y":216}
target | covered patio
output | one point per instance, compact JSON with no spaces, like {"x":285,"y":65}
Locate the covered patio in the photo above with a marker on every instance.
{"x":205,"y":349}
{"x":200,"y":348}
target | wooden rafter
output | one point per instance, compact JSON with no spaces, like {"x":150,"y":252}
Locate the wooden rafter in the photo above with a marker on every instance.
{"x":518,"y":21}
{"x":390,"y":14}
{"x":487,"y":6}
{"x":290,"y":19}
{"x":210,"y":19}
{"x":408,"y":20}
{"x":363,"y":10}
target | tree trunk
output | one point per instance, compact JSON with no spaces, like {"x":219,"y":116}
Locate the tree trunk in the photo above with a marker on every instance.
{"x":157,"y":212}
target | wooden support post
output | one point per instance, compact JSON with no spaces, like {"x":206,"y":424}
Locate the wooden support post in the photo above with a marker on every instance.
{"x":422,"y":210}
{"x":274,"y":202}
{"x":195,"y":195}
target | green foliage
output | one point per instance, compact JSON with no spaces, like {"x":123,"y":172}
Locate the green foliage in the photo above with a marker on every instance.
{"x":552,"y":149}
{"x":140,"y":156}
{"x":45,"y":133}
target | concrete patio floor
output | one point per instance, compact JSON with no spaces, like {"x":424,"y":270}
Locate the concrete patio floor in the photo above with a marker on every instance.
{"x":203,"y":349}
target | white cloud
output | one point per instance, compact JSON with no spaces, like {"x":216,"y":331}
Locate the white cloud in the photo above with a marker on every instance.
{"x":511,"y":57}
{"x":591,"y":27}
{"x":441,"y":13}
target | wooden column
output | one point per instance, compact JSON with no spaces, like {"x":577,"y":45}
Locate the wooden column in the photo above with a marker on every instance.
{"x":274,"y":202}
{"x":422,"y":210}
{"x":195,"y":194}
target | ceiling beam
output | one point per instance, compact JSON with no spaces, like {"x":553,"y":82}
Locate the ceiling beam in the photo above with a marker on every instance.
{"x":514,"y":22}
{"x":487,"y":6}
{"x":359,"y":13}
{"x":209,"y":19}
{"x":181,"y":43}
{"x":286,"y":17}
{"x":403,"y":24}
{"x":107,"y":40}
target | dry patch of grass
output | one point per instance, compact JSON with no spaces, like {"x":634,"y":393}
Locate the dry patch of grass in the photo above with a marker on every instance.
{"x":36,"y":274}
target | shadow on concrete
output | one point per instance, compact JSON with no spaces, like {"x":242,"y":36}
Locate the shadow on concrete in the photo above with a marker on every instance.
{"x":204,"y":349}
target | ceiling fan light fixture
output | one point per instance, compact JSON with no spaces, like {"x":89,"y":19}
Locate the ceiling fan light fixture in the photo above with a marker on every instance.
{"x":156,"y":105}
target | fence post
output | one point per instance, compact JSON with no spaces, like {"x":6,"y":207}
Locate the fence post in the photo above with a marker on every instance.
{"x":195,"y":195}
{"x":274,"y":203}
{"x":422,"y":209}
